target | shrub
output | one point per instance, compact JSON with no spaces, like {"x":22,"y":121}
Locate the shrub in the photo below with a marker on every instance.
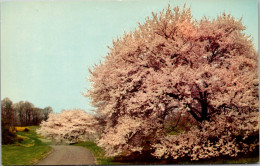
{"x":20,"y":129}
{"x":8,"y":134}
{"x":12,"y":129}
{"x":26,"y":129}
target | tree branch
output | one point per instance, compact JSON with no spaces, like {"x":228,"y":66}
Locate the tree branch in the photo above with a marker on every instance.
{"x":177,"y":122}
{"x":194,"y":109}
{"x":195,"y":116}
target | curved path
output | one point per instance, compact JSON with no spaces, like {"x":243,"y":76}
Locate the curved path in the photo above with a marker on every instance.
{"x":68,"y":155}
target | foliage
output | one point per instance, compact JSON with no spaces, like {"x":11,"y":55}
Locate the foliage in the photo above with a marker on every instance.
{"x":8,"y":136}
{"x":7,"y":111}
{"x":27,"y":152}
{"x":69,"y":126}
{"x":170,"y":64}
{"x":19,"y":129}
{"x":227,"y":134}
{"x":23,"y":113}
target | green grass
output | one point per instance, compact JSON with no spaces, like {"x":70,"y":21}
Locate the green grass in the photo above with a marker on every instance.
{"x":98,"y":152}
{"x":28,"y":152}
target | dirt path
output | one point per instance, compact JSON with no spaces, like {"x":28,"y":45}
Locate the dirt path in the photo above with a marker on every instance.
{"x":68,"y":155}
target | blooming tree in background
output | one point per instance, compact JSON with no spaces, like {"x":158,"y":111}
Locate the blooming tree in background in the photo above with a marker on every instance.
{"x":69,"y":126}
{"x":170,"y":64}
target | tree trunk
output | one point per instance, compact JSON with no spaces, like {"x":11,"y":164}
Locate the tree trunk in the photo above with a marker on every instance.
{"x":203,"y":114}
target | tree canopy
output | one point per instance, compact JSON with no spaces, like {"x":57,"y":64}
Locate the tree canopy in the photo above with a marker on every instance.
{"x":69,"y":126}
{"x":172,"y":63}
{"x":23,"y":113}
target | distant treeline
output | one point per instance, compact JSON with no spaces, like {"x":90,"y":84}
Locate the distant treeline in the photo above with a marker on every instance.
{"x":22,"y":113}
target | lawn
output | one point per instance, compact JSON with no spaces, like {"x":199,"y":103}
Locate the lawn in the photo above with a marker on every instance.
{"x":28,"y":152}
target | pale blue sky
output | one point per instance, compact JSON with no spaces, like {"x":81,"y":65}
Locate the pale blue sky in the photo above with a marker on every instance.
{"x":47,"y":46}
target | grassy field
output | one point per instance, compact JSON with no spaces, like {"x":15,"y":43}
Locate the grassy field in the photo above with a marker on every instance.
{"x":28,"y":152}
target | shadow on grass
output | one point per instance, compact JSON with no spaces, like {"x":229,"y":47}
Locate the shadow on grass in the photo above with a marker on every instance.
{"x":146,"y":158}
{"x":249,"y":158}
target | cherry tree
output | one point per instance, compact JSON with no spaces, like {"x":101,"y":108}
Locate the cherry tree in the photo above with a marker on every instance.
{"x":172,"y":63}
{"x":69,"y":126}
{"x":226,"y":134}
